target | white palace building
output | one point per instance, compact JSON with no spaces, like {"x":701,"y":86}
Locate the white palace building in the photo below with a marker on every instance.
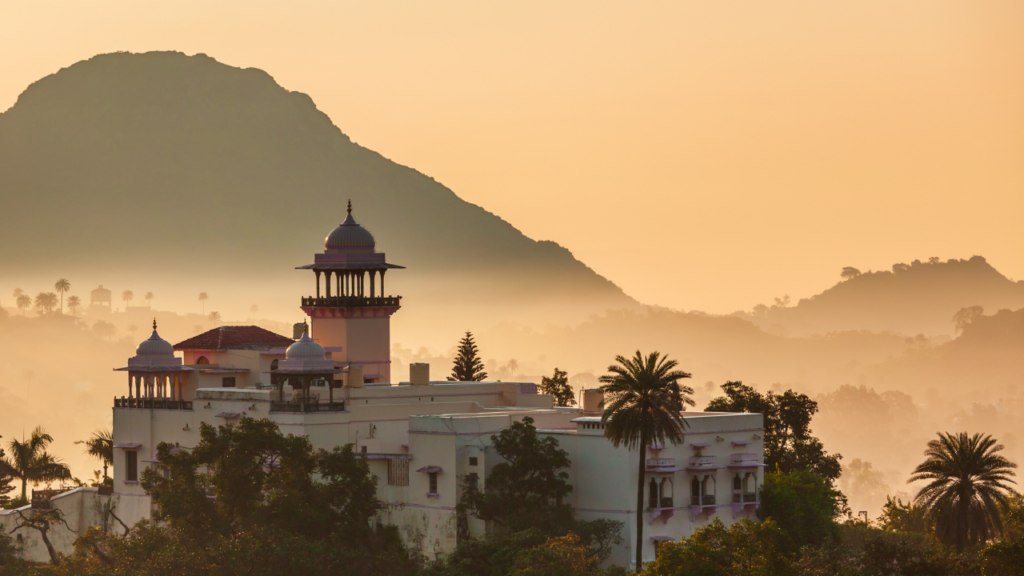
{"x":419,"y":435}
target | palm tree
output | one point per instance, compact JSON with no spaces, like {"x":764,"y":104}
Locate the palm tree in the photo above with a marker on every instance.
{"x":46,"y":301}
{"x":253,"y":310}
{"x":967,"y":487}
{"x":149,"y":299}
{"x":127,"y":296}
{"x":132,"y":329}
{"x":101,"y":445}
{"x":62,"y":286}
{"x":74,"y":303}
{"x":203,"y":298}
{"x":24,"y":302}
{"x":643,"y":405}
{"x":214,"y":316}
{"x":29,"y":461}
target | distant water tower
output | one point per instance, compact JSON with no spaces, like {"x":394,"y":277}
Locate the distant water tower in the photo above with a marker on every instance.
{"x":100,"y":297}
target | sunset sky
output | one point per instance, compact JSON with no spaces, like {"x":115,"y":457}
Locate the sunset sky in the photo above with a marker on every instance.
{"x":702,"y":155}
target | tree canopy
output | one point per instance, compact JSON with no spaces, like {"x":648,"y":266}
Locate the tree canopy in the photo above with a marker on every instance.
{"x":788,"y":444}
{"x":558,"y":387}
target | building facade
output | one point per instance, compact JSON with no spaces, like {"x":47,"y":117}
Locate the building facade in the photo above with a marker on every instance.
{"x":420,"y":436}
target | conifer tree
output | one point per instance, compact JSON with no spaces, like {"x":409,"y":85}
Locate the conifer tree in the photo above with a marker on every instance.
{"x":468,"y":366}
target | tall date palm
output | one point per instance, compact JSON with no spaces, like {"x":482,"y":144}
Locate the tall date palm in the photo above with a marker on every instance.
{"x":62,"y":286}
{"x":968,"y":484}
{"x":643,"y":404}
{"x":29,"y":461}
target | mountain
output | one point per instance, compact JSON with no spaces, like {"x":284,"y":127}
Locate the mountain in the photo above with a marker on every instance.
{"x":179,"y":167}
{"x":915,"y":298}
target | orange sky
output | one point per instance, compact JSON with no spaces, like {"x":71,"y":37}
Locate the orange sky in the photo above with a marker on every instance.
{"x":703,"y":155}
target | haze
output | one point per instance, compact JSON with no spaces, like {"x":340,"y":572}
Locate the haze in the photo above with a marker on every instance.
{"x":700,"y":155}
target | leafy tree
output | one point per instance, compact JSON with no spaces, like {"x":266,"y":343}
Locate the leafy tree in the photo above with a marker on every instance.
{"x":1003,"y":559}
{"x":127,"y":296}
{"x":46,"y":301}
{"x":644,"y":402}
{"x":104,"y":329}
{"x":899,"y":517}
{"x":562,"y":556}
{"x":788,"y":444}
{"x":849,"y":273}
{"x":23,"y":302}
{"x":62,"y":286}
{"x":804,"y":505}
{"x":558,"y":387}
{"x":468,"y":366}
{"x":101,"y":445}
{"x":203,"y":297}
{"x":526,"y":490}
{"x":259,"y":477}
{"x":743,"y":548}
{"x":74,"y":303}
{"x":968,"y":483}
{"x":965,"y":316}
{"x":29,"y":461}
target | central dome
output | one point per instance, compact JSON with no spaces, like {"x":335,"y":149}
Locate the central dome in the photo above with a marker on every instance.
{"x":305,"y":349}
{"x":350,"y":236}
{"x":155,"y":346}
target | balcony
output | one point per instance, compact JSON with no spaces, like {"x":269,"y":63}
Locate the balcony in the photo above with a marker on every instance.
{"x":307,"y":407}
{"x":705,"y":500}
{"x":350,"y":301}
{"x":745,"y":461}
{"x":152,"y":403}
{"x":660,"y":464}
{"x":744,"y":497}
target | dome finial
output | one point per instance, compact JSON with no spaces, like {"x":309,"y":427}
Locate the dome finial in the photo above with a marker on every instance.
{"x":154,"y":324}
{"x":350,"y":206}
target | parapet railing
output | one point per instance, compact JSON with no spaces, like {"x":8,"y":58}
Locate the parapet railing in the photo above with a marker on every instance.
{"x":160,"y":403}
{"x":351,"y":301}
{"x":307,"y":407}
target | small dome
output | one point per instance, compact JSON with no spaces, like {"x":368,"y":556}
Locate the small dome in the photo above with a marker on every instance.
{"x":155,"y":346}
{"x":350,"y":236}
{"x":305,"y":349}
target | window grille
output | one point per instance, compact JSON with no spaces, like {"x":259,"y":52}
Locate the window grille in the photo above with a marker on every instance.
{"x":398,"y":472}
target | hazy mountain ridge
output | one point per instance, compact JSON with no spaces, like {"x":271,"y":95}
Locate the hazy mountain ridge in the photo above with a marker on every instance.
{"x":920,"y":297}
{"x":176,"y":165}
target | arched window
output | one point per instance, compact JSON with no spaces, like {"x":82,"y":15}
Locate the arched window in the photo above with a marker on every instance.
{"x":695,"y":491}
{"x":708,"y":490}
{"x":202,"y":360}
{"x":652,"y":498}
{"x":273,"y":365}
{"x":666,"y":493}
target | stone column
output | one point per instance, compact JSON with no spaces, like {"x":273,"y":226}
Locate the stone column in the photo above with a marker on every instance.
{"x":317,"y":272}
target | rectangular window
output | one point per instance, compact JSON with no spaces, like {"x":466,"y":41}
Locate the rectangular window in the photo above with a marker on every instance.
{"x":398,"y":472}
{"x":433,"y":482}
{"x":131,"y":465}
{"x":228,"y":382}
{"x":472,"y":460}
{"x":363,"y":449}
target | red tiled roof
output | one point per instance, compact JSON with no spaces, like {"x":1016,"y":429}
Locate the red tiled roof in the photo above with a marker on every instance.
{"x":235,"y":338}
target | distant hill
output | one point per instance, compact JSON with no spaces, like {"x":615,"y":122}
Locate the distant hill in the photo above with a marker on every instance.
{"x":179,"y":166}
{"x":915,"y":298}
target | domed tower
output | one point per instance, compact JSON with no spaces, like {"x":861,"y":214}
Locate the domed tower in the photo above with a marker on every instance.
{"x":351,"y":310}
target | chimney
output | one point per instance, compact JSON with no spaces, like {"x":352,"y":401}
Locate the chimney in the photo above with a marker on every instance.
{"x":592,"y":399}
{"x":354,"y":377}
{"x":419,"y":374}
